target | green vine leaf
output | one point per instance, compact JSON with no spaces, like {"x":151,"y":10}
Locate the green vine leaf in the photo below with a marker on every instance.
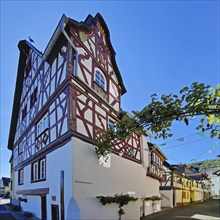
{"x":153,"y":198}
{"x":157,"y":117}
{"x":119,"y":199}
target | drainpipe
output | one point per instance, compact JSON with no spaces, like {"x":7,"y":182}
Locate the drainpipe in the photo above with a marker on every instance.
{"x":62,"y":26}
{"x":60,"y":29}
{"x":62,"y":206}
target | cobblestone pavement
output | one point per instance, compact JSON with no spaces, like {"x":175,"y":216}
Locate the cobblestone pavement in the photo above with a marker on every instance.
{"x":208,"y":210}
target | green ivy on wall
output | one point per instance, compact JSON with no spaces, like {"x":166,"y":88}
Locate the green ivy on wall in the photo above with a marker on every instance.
{"x":119,"y":199}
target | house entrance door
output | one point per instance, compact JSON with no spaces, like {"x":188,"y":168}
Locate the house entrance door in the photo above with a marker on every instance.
{"x":44,"y":207}
{"x":174,"y":197}
{"x":55,"y":212}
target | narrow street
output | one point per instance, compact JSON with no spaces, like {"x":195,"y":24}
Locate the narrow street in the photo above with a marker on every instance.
{"x":208,"y":210}
{"x":7,"y":214}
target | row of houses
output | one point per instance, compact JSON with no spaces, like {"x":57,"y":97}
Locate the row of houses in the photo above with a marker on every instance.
{"x":65,"y":98}
{"x":182,"y":186}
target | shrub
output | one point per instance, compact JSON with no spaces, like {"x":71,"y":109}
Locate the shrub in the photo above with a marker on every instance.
{"x":28,"y":214}
{"x":121,"y":200}
{"x":16,"y":208}
{"x":153,"y":198}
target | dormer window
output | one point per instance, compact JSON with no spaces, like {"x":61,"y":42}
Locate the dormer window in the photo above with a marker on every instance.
{"x":100,"y":80}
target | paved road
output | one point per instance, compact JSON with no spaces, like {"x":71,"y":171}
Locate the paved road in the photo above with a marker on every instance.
{"x":208,"y":210}
{"x":7,"y":214}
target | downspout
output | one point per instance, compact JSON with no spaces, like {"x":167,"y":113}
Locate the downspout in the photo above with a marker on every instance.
{"x":62,"y":197}
{"x":60,"y":29}
{"x":62,"y":26}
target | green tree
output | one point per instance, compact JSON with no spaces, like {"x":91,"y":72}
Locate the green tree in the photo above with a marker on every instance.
{"x":197,"y":100}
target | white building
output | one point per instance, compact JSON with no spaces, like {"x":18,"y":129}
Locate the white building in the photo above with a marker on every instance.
{"x":4,"y":186}
{"x":64,"y":99}
{"x":214,"y":174}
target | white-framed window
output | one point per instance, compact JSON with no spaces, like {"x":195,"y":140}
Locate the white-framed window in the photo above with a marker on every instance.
{"x":35,"y":171}
{"x":20,"y":177}
{"x":42,"y":125}
{"x":158,"y":160}
{"x":39,"y":170}
{"x":42,"y":169}
{"x":153,"y":156}
{"x":99,"y":79}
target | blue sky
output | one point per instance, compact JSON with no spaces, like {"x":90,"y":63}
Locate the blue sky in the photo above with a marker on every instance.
{"x":161,"y":47}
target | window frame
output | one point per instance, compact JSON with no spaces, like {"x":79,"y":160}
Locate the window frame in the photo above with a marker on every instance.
{"x":20,"y":149}
{"x":153,"y":157}
{"x":24,"y":112}
{"x":21,"y":176}
{"x":100,"y":79}
{"x":33,"y":97}
{"x":42,"y":172}
{"x":37,"y":173}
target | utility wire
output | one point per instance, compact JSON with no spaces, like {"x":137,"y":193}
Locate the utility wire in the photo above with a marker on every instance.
{"x":199,"y":155}
{"x":181,"y":137}
{"x":185,"y":143}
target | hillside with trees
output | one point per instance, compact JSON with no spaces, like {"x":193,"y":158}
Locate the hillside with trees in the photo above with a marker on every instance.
{"x":206,"y":164}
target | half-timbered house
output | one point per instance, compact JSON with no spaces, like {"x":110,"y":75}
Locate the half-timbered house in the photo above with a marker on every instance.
{"x":64,"y":99}
{"x":199,"y":190}
{"x":176,"y":186}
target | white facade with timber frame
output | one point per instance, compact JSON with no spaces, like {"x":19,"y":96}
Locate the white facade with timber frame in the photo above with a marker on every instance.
{"x":64,"y":99}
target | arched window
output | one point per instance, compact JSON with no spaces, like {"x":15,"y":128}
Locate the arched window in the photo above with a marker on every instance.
{"x":99,"y":79}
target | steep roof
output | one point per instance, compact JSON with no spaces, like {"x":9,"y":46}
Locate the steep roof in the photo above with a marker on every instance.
{"x":5,"y":181}
{"x":155,"y":148}
{"x":86,"y":25}
{"x":24,"y":47}
{"x":50,"y":51}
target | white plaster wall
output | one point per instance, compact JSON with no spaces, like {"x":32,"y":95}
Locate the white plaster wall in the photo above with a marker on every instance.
{"x":152,"y":207}
{"x":33,"y":205}
{"x":91,"y":179}
{"x":157,"y":206}
{"x":33,"y":202}
{"x":197,"y":196}
{"x":87,"y":64}
{"x":148,"y":207}
{"x":215,"y":185}
{"x":167,"y":199}
{"x":60,"y":159}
